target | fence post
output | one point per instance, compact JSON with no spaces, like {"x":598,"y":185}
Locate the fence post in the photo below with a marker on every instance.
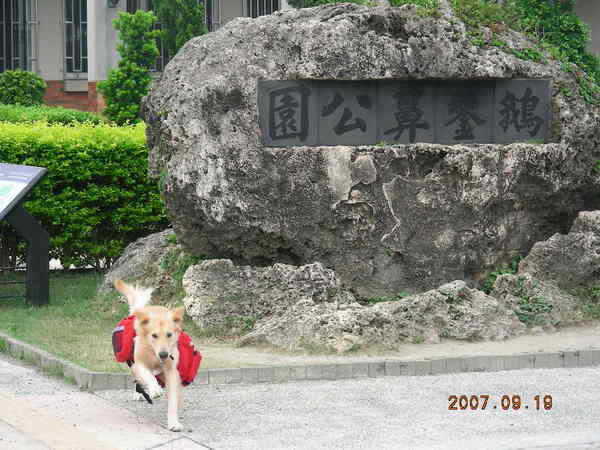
{"x":38,"y":271}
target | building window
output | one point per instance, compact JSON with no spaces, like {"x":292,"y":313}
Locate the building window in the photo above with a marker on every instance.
{"x":212,"y":14}
{"x":76,"y":58}
{"x":164,"y":56}
{"x":255,"y":8}
{"x":18,"y":19}
{"x":133,"y":6}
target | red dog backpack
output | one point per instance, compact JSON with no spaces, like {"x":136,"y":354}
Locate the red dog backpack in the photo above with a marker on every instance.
{"x":122,"y":339}
{"x":189,"y":357}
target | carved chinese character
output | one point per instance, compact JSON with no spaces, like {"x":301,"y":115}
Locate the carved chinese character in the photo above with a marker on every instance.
{"x":408,"y":115}
{"x":288,"y":113}
{"x":463,"y":108}
{"x":519,"y":112}
{"x":344,"y":125}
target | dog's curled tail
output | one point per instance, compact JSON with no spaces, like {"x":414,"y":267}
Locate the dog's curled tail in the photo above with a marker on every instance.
{"x":137,"y":297}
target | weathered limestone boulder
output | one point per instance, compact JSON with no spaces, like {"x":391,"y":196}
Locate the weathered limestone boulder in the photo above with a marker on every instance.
{"x":536,"y":302}
{"x":568,"y":260}
{"x":228,"y":298}
{"x":451,"y":311}
{"x":307,"y":308}
{"x":151,"y":261}
{"x":385,"y":218}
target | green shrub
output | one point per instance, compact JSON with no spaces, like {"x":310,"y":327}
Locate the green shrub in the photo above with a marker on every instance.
{"x":19,"y":87}
{"x":50,"y":114}
{"x":96,"y":197}
{"x":553,"y":24}
{"x":481,"y":13}
{"x":426,"y":7}
{"x":589,"y":300}
{"x":129,"y":83}
{"x":488,"y":283}
{"x":530,"y":308}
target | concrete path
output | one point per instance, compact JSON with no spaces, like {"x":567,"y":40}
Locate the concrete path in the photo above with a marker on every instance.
{"x":37,"y":412}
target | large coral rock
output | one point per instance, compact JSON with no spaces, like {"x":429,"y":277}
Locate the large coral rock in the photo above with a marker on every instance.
{"x":385,"y":218}
{"x":451,"y":311}
{"x":222,"y":296}
{"x":537,"y":302}
{"x":569,"y":260}
{"x":153,"y":262}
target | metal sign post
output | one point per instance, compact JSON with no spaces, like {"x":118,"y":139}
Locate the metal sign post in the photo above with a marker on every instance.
{"x":15,"y":183}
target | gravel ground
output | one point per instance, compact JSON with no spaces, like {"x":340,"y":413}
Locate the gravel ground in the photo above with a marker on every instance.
{"x":390,"y":413}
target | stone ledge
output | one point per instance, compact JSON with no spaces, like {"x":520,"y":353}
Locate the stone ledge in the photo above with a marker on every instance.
{"x":98,"y":381}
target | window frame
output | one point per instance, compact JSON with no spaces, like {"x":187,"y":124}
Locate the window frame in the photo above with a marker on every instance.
{"x":26,"y":35}
{"x":83,"y":48}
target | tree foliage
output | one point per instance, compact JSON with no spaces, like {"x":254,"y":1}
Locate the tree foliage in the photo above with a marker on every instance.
{"x":180,"y":21}
{"x":129,"y":83}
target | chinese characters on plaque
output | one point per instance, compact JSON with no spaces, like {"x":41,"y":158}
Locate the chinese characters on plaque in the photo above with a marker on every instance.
{"x":313,"y":113}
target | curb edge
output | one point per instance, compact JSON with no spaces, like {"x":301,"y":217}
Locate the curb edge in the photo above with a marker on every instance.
{"x":97,"y":381}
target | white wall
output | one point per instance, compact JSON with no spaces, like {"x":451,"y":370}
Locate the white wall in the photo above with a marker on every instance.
{"x":589,"y":11}
{"x":50,"y":40}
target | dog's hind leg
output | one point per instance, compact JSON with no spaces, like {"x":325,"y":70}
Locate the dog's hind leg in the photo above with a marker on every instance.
{"x":173,"y":384}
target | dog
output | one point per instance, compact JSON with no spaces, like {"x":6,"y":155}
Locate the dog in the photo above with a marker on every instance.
{"x":155,"y":352}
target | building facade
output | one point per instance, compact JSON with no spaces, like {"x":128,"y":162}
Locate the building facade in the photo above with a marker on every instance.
{"x":72,"y":43}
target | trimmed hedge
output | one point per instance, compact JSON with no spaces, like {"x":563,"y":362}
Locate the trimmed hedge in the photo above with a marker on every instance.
{"x":97,"y":197}
{"x":50,"y":114}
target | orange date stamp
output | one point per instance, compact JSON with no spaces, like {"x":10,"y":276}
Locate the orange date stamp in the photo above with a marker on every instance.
{"x":504,"y":402}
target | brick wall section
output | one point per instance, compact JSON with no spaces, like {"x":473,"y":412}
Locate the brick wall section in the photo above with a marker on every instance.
{"x":84,"y":101}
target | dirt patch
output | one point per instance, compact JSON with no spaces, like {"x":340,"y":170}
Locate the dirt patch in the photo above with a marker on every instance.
{"x":216,"y":355}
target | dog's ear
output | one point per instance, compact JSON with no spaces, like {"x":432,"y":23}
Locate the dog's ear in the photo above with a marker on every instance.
{"x":142,"y":318}
{"x":178,"y":315}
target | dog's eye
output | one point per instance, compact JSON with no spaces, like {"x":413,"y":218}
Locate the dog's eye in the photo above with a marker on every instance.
{"x":154,"y":335}
{"x":169,"y":334}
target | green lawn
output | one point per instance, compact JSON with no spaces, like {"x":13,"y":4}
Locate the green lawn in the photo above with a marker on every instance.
{"x":76,"y":325}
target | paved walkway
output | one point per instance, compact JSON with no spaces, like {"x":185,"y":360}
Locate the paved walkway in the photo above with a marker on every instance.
{"x":37,"y":412}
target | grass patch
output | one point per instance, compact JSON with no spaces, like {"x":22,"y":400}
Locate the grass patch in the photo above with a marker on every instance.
{"x":76,"y":325}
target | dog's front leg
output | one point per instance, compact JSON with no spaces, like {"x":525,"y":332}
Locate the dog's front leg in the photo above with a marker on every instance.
{"x":173,"y":383}
{"x":144,"y":376}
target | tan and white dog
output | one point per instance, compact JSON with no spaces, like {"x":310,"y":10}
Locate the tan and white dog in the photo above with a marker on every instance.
{"x":155,"y":348}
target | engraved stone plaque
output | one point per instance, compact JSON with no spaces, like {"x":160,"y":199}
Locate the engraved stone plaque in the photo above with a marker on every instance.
{"x":368,"y":112}
{"x":405,"y":112}
{"x":347,"y":113}
{"x":464,"y":111}
{"x":521,"y":110}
